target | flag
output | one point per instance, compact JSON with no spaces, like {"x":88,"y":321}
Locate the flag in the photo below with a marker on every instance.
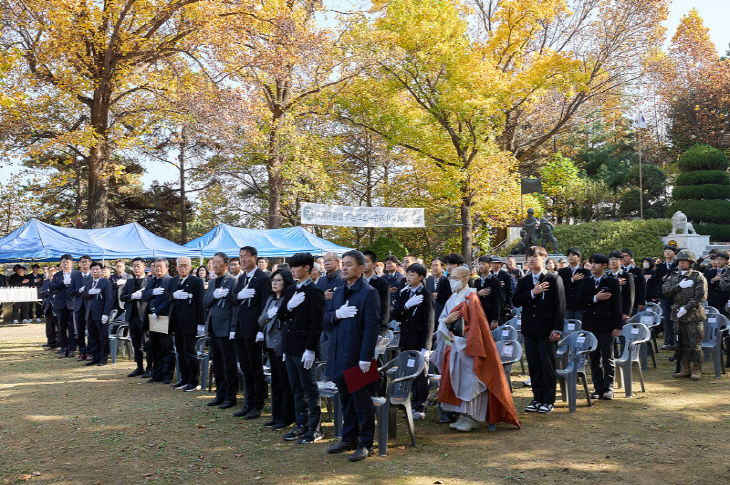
{"x":639,"y":121}
{"x":531,"y":185}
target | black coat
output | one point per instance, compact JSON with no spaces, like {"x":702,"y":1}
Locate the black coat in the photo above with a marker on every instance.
{"x":186,"y":315}
{"x":652,"y":288}
{"x":491,"y":303}
{"x":135,"y":311}
{"x":542,"y":314}
{"x":661,"y":274}
{"x":158,"y":304}
{"x":571,"y":287}
{"x":383,"y":289}
{"x":715,"y":296}
{"x":416,"y":323}
{"x":100,"y":303}
{"x":303,"y":323}
{"x":639,"y":285}
{"x":246,"y":314}
{"x":627,"y":290}
{"x":600,"y":316}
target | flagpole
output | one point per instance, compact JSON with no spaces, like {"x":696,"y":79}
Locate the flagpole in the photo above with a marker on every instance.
{"x":641,"y":182}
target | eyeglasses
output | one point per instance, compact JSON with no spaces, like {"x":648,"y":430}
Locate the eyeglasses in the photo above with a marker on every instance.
{"x":277,"y":280}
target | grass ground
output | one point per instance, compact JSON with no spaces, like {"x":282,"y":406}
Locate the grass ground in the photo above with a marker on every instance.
{"x":61,"y":422}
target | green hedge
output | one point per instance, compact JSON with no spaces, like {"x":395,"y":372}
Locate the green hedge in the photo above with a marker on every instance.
{"x":385,"y":246}
{"x":703,"y":211}
{"x":702,"y":157}
{"x":707,"y":191}
{"x":701,"y":177}
{"x":717,"y":232}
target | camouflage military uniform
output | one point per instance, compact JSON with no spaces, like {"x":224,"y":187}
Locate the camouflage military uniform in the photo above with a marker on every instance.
{"x":690,"y":326}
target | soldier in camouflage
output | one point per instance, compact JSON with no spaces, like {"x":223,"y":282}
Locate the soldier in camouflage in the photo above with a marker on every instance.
{"x":688,"y":287}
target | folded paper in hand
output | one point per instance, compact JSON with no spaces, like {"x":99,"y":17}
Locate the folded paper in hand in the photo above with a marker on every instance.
{"x":160,"y":325}
{"x":356,"y":379}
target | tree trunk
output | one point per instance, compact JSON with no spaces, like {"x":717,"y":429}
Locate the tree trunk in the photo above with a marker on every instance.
{"x":97,"y":210}
{"x":183,"y":214}
{"x":466,"y":228}
{"x":274,"y":172}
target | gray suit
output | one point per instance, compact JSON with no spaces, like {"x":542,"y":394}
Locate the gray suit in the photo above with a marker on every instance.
{"x":220,"y":323}
{"x":220,"y":311}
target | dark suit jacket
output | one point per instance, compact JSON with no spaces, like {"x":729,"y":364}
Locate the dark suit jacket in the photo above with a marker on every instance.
{"x":395,"y":280}
{"x":76,"y":286}
{"x":158,"y":304}
{"x":220,"y":310}
{"x":64,"y":297}
{"x":383,"y":289}
{"x":246,"y":315}
{"x":330,"y":282}
{"x":352,"y":339}
{"x":542,"y":314}
{"x":491,"y":304}
{"x":118,"y":304}
{"x":661,"y":273}
{"x":101,"y":303}
{"x":442,"y":292}
{"x":716,"y":297}
{"x":627,"y":290}
{"x":571,"y":288}
{"x":304,"y":323}
{"x":135,"y":310}
{"x":639,"y":285}
{"x":601,"y":316}
{"x":416,"y":323}
{"x":186,"y":315}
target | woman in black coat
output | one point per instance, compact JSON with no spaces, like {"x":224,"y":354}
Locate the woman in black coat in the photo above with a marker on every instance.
{"x":652,"y":286}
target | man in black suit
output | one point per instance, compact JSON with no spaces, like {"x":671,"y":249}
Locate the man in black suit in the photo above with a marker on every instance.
{"x":625,"y":281}
{"x":119,"y":279}
{"x":414,"y":310}
{"x":135,"y":314}
{"x":218,"y":301}
{"x":157,"y":293}
{"x":99,"y":303}
{"x":36,"y":279}
{"x":572,"y":275}
{"x":379,"y":284}
{"x":435,"y":283}
{"x":395,"y":280}
{"x":506,"y":288}
{"x":85,"y":352}
{"x":488,"y":288}
{"x":600,"y":297}
{"x":628,"y":266}
{"x":52,"y":334}
{"x":186,"y":315}
{"x":63,"y":294}
{"x":250,"y":294}
{"x":716,"y":296}
{"x":542,"y":297}
{"x":303,"y":309}
{"x":661,"y":273}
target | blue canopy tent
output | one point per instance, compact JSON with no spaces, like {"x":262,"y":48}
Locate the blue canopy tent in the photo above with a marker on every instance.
{"x":270,"y":243}
{"x":38,"y":241}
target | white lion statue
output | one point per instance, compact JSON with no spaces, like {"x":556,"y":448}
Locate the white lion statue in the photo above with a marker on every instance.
{"x":680,"y":224}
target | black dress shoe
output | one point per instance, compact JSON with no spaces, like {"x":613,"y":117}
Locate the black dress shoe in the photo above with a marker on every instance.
{"x":91,"y":362}
{"x":295,"y":433}
{"x":253,"y":414}
{"x":280,"y":425}
{"x":179,"y":385}
{"x":214,"y":402}
{"x":271,"y":424}
{"x":152,"y":379}
{"x":242,"y":412}
{"x":342,"y":446}
{"x":360,"y":454}
{"x":310,"y":437}
{"x":226,"y":405}
{"x":135,"y":373}
{"x":166,"y":381}
{"x":101,"y":362}
{"x":147,"y":373}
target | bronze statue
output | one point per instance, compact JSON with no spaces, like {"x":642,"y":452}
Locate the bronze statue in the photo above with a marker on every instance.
{"x":546,"y":231}
{"x":528,"y":233}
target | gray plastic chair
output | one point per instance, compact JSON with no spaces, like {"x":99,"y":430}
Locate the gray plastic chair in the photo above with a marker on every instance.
{"x":510,"y":352}
{"x":201,"y":352}
{"x":651,"y":320}
{"x":711,"y":310}
{"x":505,"y":332}
{"x":571,"y":325}
{"x":122,"y":338}
{"x":576,"y":348}
{"x":331,"y":395}
{"x":635,"y":335}
{"x":654,"y":307}
{"x":516,"y":322}
{"x":715,"y":328}
{"x":112,"y":337}
{"x":401,"y":371}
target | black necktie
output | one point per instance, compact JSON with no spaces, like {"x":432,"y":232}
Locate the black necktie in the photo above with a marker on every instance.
{"x":245,"y":280}
{"x":598,"y":282}
{"x":218,"y":281}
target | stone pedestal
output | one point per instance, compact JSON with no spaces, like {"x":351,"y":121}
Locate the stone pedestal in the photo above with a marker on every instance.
{"x":694,"y":242}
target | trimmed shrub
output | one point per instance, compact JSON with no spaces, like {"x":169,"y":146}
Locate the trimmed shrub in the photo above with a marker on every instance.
{"x":717,"y":232}
{"x":704,"y":210}
{"x":701,"y":177}
{"x":707,"y":191}
{"x":702,"y":157}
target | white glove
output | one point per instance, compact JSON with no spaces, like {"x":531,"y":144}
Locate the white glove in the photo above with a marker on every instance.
{"x":728,"y":303}
{"x":104,"y":319}
{"x":158,"y":291}
{"x":681,"y":312}
{"x":246,"y":293}
{"x":295,"y":301}
{"x":220,"y":293}
{"x":201,"y":330}
{"x":121,"y":282}
{"x":364,"y":366}
{"x":413,"y":301}
{"x":283,"y":357}
{"x":260,"y":336}
{"x":154,"y":316}
{"x":94,"y":291}
{"x":82,"y":289}
{"x":308,"y":359}
{"x":137,"y":295}
{"x":231,"y":335}
{"x":686,"y":283}
{"x":272,"y":312}
{"x":181,"y":295}
{"x":346,"y":311}
{"x":67,"y":279}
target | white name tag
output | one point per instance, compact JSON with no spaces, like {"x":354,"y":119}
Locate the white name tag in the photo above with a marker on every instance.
{"x":634,"y":331}
{"x":505,"y":333}
{"x":411,"y":362}
{"x":646,"y":320}
{"x":571,"y":327}
{"x":711,"y":320}
{"x":507,"y":350}
{"x":580,"y":339}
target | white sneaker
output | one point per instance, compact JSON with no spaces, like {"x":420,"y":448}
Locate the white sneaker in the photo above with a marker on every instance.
{"x":458,"y":422}
{"x":545,"y":408}
{"x":38,"y":320}
{"x":469,"y":424}
{"x":532,"y":407}
{"x":15,"y":321}
{"x":418,"y":416}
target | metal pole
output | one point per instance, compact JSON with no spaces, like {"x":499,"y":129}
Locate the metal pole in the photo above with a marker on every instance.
{"x":641,"y":181}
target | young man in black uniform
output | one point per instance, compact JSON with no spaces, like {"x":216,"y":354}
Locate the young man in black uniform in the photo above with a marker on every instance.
{"x":625,"y":282}
{"x":488,"y":288}
{"x":600,"y":297}
{"x":542,"y":298}
{"x":628,"y":266}
{"x":572,"y":276}
{"x":716,"y":296}
{"x":414,"y":311}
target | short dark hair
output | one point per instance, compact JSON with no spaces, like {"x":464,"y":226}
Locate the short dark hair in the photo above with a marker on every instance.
{"x":67,"y":257}
{"x":598,"y":258}
{"x":284,"y":266}
{"x":221,"y":255}
{"x":358,"y":256}
{"x":301,"y":259}
{"x":85,"y":257}
{"x":390,"y":258}
{"x":536,"y":251}
{"x":250,"y":250}
{"x":614,"y":254}
{"x":574,"y":251}
{"x":139,"y":259}
{"x":454,"y":258}
{"x":419,"y":269}
{"x":484,"y":259}
{"x":371,"y":254}
{"x":649,"y":260}
{"x":235,"y":258}
{"x":203,"y":268}
{"x":36,"y":266}
{"x":723,"y":254}
{"x":96,"y":264}
{"x":119,"y":261}
{"x":18,"y":266}
{"x":441,"y":261}
{"x":671,"y":248}
{"x":261,"y":259}
{"x":627,"y":251}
